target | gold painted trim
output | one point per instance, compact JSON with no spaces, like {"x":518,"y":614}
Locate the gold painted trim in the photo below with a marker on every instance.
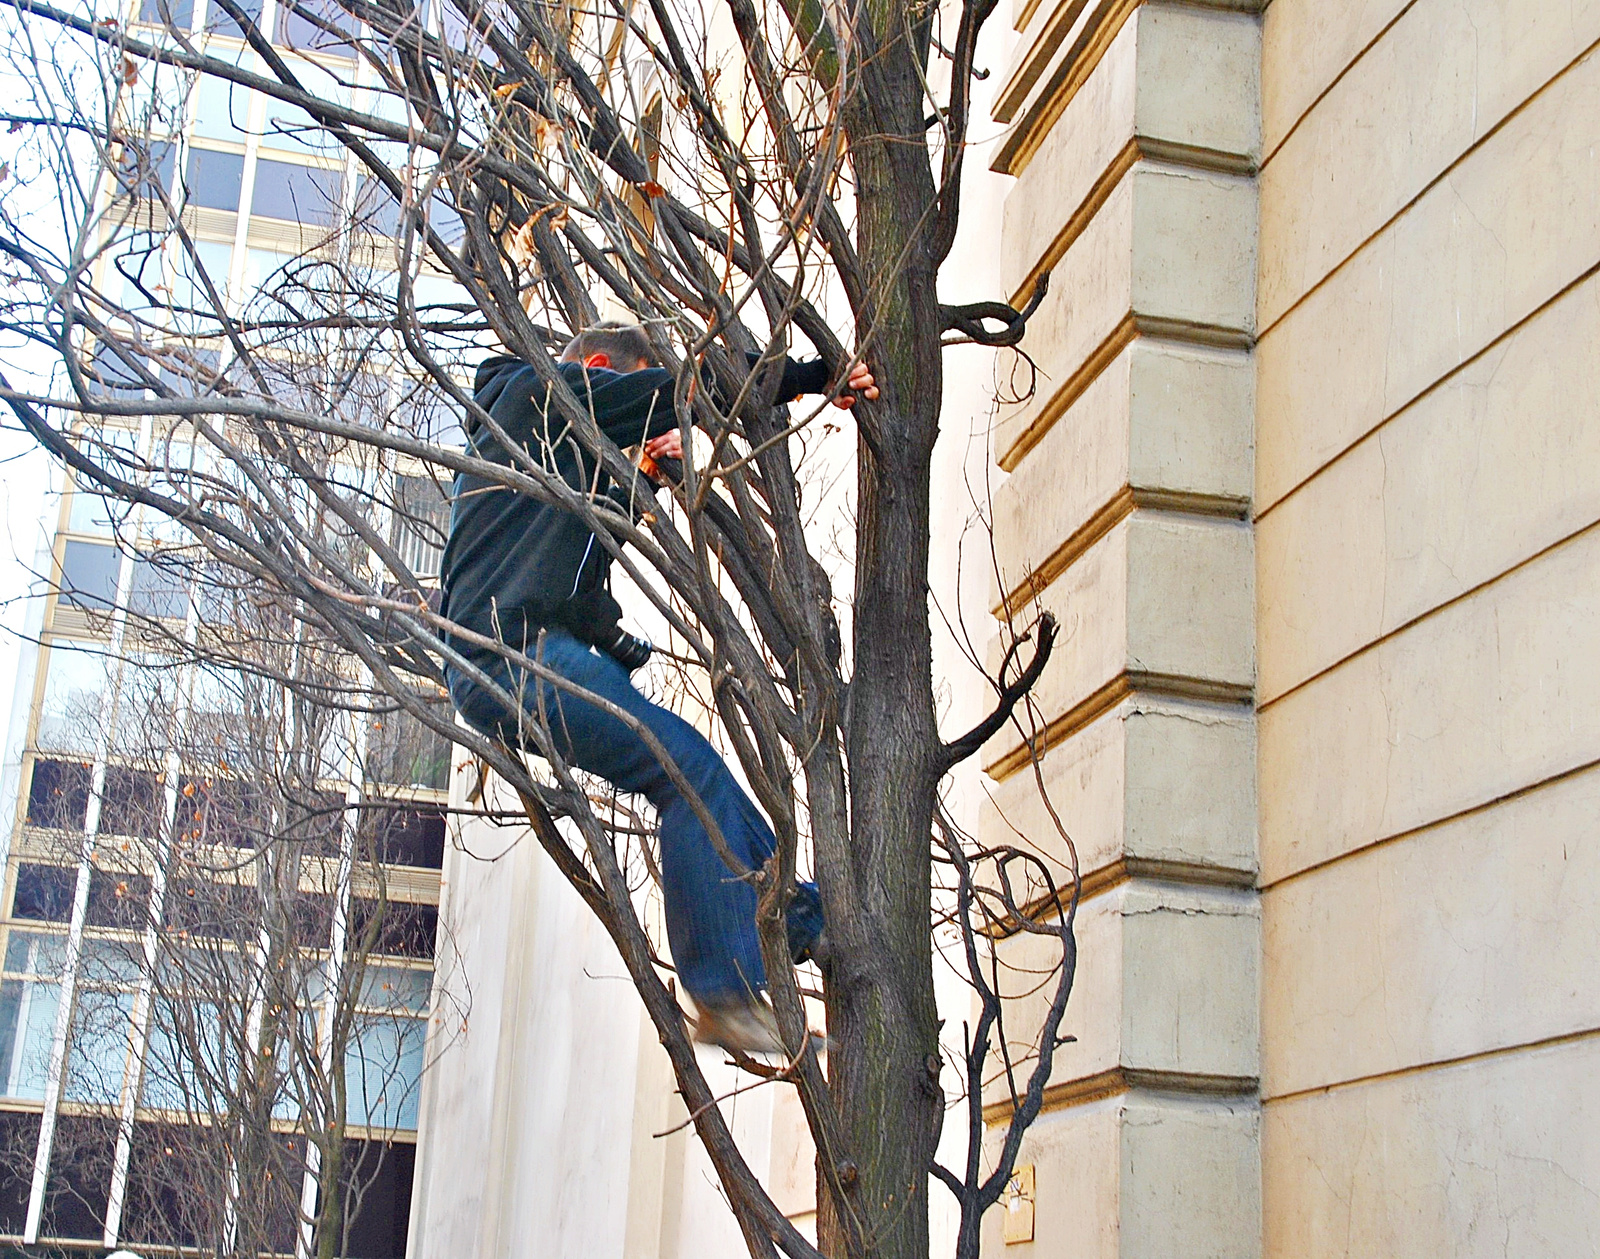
{"x":1113,"y":512}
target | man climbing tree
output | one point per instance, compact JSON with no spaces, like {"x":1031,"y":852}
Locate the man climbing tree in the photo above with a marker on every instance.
{"x":735,"y":177}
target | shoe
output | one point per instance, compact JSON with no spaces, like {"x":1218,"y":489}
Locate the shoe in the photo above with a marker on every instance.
{"x":818,"y":951}
{"x":744,"y":1027}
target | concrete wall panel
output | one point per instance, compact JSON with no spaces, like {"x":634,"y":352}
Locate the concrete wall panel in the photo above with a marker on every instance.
{"x":1475,"y":935}
{"x":1503,"y":234}
{"x":1447,"y":73}
{"x":1494,"y":1157}
{"x":1489,"y":469}
{"x":1489,"y":695}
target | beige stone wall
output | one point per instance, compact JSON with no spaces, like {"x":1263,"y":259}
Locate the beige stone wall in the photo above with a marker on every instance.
{"x":1428,"y":594}
{"x":1133,"y":145}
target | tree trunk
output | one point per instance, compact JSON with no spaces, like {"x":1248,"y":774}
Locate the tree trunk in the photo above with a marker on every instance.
{"x":881,"y":1002}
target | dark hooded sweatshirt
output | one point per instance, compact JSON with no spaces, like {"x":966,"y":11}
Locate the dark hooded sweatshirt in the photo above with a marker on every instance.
{"x":513,"y":563}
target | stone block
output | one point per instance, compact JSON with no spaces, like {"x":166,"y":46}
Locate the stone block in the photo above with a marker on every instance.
{"x":1173,"y":77}
{"x":1421,"y":951}
{"x":1153,"y":780}
{"x":1160,"y":594}
{"x":1161,"y":417}
{"x":1488,"y":469}
{"x":1167,"y":983}
{"x":1141,"y":1176}
{"x":1507,"y":230}
{"x":1487,"y":696}
{"x":1492,"y":1157}
{"x":1442,"y":77}
{"x":1169,"y":245}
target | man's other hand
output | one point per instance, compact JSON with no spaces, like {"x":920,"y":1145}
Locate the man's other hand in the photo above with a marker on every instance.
{"x":860,"y":384}
{"x":667,"y":446}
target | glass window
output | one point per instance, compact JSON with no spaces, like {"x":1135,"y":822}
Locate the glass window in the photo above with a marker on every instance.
{"x":382,"y":1071}
{"x":403,"y":752}
{"x":27,"y":1025}
{"x":286,"y":126}
{"x":405,"y":836}
{"x":70,"y":715}
{"x":264,"y":266}
{"x":110,"y":448}
{"x":131,"y":803}
{"x":423,"y":412}
{"x":89,"y":574}
{"x":175,"y":14}
{"x":215,"y":178}
{"x":390,"y":988}
{"x":309,"y":33}
{"x":146,"y":165}
{"x":376,"y":208}
{"x":139,"y":272}
{"x":147,"y":707}
{"x":98,"y":1051}
{"x":160,"y":588}
{"x":219,"y":21}
{"x":44,"y":893}
{"x":58,"y":795}
{"x":420,"y":521}
{"x":406,"y":929}
{"x":211,"y":261}
{"x":222,"y":108}
{"x":300,"y":194}
{"x":173,"y":1079}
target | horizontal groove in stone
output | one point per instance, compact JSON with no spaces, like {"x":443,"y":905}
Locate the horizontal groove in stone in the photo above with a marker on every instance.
{"x":1112,"y":513}
{"x":1182,"y":332}
{"x":1118,"y":1080}
{"x":1106,"y":878}
{"x":1125,"y":684}
{"x":1443,"y":1064}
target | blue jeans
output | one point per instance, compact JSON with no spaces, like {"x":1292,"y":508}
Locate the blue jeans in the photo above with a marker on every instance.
{"x":710,"y":911}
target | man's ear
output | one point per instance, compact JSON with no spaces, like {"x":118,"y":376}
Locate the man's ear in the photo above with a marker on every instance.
{"x":597,"y":360}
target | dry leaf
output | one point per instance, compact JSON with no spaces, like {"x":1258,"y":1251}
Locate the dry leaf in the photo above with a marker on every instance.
{"x":652,"y":189}
{"x":130,"y":71}
{"x":505,"y":90}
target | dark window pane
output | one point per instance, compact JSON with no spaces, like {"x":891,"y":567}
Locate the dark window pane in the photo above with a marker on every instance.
{"x":44,"y":893}
{"x":131,"y":803}
{"x":220,"y":22}
{"x":406,"y":837}
{"x":215,"y":178}
{"x":89,"y":574}
{"x":160,"y":589}
{"x":300,"y":194}
{"x":19,"y":1138}
{"x":221,"y":811}
{"x":177,"y":14}
{"x":218,"y":911}
{"x":118,"y":900}
{"x":80,"y":1177}
{"x":386,"y":1169}
{"x":110,"y":372}
{"x":314,"y":821}
{"x":58,"y":795}
{"x":312,"y":915}
{"x":406,"y":929}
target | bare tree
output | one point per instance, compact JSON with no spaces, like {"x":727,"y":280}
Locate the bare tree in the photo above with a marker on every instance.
{"x":242,"y":951}
{"x":733,"y":177}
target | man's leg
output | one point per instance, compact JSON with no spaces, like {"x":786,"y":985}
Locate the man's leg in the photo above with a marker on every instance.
{"x":710,"y":912}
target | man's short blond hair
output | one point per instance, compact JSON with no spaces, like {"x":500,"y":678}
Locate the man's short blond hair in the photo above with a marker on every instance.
{"x":625,"y":344}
